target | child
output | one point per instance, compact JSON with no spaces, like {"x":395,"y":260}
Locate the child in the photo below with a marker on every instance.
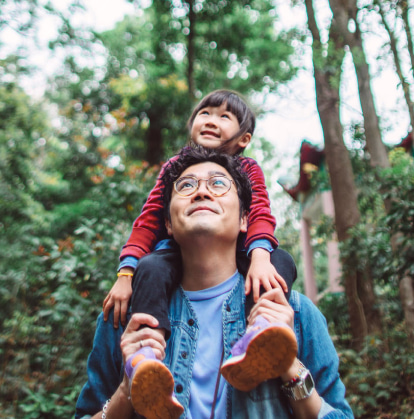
{"x":222,"y":121}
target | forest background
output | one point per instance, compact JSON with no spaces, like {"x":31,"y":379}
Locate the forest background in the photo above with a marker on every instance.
{"x":77,"y":164}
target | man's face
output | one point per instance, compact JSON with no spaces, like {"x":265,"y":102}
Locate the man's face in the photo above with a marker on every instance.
{"x":203,"y":213}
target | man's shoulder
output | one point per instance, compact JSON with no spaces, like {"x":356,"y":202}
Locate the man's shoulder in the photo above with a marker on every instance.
{"x":300,"y":302}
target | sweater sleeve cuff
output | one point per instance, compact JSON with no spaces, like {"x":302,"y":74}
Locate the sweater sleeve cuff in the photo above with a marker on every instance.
{"x":325,"y":409}
{"x":262,"y":243}
{"x":128,"y":262}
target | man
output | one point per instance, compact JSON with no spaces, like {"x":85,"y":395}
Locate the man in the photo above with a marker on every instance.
{"x":207,"y":316}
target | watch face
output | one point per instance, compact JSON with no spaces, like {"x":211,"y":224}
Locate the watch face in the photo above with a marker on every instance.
{"x":308,"y":382}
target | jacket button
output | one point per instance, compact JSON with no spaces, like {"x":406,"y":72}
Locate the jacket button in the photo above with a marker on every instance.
{"x":179,"y":388}
{"x":191,"y":322}
{"x":228,"y":308}
{"x":184,"y":355}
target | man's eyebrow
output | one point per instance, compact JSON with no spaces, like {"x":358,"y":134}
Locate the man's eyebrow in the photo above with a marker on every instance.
{"x":210,"y":173}
{"x":216,"y":173}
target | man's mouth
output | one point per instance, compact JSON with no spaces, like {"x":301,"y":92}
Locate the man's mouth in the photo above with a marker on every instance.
{"x":201,"y":208}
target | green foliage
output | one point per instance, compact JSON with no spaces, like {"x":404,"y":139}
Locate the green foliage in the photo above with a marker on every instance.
{"x":398,"y":183}
{"x":160,"y":61}
{"x":71,"y":185}
{"x":379,"y":378}
{"x":59,"y":256}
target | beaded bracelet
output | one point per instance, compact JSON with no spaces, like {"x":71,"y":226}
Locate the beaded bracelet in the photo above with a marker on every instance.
{"x":105,"y":408}
{"x":124,"y":273}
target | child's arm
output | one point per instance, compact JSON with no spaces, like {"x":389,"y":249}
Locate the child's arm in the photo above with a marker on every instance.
{"x":149,"y":227}
{"x":147,"y":230}
{"x":261,"y":223}
{"x":119,"y":297}
{"x":261,"y":228}
{"x":262,"y":273}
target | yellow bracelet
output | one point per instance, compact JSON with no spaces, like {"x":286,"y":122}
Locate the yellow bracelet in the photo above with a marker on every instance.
{"x":124,"y":273}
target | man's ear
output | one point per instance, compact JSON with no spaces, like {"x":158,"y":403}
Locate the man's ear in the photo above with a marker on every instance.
{"x":168,"y":226}
{"x":243,"y":223}
{"x":245,"y":140}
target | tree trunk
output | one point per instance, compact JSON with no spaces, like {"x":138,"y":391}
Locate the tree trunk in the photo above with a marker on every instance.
{"x":406,"y":288}
{"x":341,"y":14}
{"x":375,"y":146}
{"x":407,"y":27}
{"x":340,"y":171}
{"x":191,"y":50}
{"x":360,"y":296}
{"x":397,"y":62}
{"x":407,"y":300}
{"x":155,"y":150}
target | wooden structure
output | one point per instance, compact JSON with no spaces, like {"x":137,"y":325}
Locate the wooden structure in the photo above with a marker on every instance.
{"x":314,"y":202}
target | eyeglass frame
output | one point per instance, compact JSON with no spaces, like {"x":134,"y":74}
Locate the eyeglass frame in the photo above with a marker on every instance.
{"x":198,"y":185}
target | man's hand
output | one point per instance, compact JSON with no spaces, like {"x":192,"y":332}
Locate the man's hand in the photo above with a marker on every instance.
{"x":118,"y":298}
{"x":273,"y":306}
{"x":134,"y":335}
{"x":262,"y":273}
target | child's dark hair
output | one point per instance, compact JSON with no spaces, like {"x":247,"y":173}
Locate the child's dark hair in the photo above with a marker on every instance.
{"x":198,"y":154}
{"x":235,"y":104}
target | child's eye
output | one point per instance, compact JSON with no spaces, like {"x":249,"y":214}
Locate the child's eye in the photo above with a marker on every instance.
{"x":204,"y":112}
{"x":226,"y":115}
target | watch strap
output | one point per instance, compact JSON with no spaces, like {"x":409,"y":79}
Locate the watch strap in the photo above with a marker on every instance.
{"x":301,"y":386}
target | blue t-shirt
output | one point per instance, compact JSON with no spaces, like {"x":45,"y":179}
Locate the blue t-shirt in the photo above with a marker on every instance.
{"x":208,"y":306}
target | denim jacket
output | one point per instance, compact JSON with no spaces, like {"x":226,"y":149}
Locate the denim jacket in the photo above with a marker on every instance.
{"x":316,"y":351}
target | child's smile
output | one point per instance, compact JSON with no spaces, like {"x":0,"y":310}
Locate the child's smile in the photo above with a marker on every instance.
{"x":213,"y":126}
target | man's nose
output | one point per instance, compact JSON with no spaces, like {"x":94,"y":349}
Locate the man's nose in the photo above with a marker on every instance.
{"x":202,"y":191}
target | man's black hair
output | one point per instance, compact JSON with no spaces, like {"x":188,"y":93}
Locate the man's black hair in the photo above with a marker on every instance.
{"x":189,"y":156}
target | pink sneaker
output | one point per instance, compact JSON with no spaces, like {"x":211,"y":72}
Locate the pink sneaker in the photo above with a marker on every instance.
{"x":266,"y":351}
{"x":152,"y":386}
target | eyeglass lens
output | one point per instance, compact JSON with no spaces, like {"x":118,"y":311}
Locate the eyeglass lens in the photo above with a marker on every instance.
{"x":217,"y":185}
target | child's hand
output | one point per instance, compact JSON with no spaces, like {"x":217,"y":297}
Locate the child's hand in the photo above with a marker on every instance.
{"x":262,"y":272}
{"x":118,"y":298}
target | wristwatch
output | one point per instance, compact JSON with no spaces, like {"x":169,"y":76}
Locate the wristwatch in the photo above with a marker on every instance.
{"x":301,"y":386}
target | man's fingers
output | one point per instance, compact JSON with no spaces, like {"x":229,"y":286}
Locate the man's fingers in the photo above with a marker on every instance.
{"x":138,"y":319}
{"x":275,"y":294}
{"x":132,"y":345}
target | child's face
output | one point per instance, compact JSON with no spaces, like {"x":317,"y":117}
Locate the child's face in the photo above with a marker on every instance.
{"x":214,"y":126}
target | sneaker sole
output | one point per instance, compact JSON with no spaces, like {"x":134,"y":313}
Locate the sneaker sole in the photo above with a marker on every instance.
{"x":269,"y":354}
{"x":151,"y":392}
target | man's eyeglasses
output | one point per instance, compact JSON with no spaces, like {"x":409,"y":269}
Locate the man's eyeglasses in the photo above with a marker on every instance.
{"x":218,"y":185}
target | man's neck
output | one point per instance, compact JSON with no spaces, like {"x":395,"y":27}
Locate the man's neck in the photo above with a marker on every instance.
{"x":207,"y":265}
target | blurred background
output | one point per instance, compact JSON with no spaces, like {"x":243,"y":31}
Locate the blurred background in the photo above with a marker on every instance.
{"x":95,"y":96}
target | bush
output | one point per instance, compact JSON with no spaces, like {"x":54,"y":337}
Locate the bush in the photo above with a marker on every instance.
{"x":53,"y":286}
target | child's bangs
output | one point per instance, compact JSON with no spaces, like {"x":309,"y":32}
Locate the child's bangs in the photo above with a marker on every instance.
{"x":235,"y":105}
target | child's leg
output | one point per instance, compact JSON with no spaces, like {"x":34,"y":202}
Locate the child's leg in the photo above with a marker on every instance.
{"x":156,"y":277}
{"x":284,"y":264}
{"x":267,"y":349}
{"x":151,"y":383}
{"x":152,"y":386}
